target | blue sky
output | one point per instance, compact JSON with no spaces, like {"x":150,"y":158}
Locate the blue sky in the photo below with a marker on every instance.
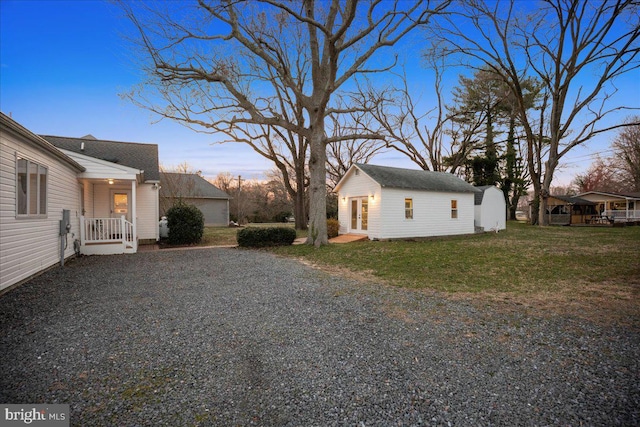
{"x":64,"y":64}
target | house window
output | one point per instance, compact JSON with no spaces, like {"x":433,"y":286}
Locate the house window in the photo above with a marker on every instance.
{"x":408,"y":208}
{"x":31,"y":188}
{"x":454,"y":209}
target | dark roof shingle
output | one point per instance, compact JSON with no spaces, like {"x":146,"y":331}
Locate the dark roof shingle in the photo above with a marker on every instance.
{"x":413,"y":179}
{"x":132,"y":154}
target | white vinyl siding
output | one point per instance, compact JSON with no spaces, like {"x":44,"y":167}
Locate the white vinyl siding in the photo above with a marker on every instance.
{"x":431,"y":214}
{"x":356,"y":186}
{"x":147,"y":209}
{"x":31,"y":244}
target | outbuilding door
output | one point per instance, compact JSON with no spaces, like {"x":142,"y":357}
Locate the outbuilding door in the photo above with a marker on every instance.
{"x":359,"y":214}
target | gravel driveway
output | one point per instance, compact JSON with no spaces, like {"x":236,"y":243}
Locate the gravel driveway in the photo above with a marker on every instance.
{"x":232,"y":337}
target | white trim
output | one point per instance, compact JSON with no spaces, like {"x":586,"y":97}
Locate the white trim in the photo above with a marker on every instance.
{"x":110,"y":169}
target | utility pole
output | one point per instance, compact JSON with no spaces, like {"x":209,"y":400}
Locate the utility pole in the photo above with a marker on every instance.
{"x":239,"y":184}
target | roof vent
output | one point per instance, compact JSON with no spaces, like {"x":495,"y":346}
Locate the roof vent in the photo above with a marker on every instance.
{"x":82,"y":146}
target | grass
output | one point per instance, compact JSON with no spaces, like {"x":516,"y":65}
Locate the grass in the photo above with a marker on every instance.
{"x":527,"y":262}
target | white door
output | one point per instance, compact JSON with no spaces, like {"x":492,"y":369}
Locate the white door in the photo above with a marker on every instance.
{"x":359,"y":214}
{"x":121,"y":204}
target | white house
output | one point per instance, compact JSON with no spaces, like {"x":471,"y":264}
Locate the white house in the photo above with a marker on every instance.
{"x":387,"y":203}
{"x":110,"y":190}
{"x":37,"y":182}
{"x":194,"y":190}
{"x":490,"y":209}
{"x":119,"y":193}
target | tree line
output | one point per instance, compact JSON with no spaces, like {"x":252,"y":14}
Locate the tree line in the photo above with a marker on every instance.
{"x":315,"y":85}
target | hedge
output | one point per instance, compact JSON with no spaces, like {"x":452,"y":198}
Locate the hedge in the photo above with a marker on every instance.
{"x":258,"y":237}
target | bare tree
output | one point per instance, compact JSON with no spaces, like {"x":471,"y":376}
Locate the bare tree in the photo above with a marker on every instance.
{"x":344,"y":153}
{"x":575,"y":48}
{"x":176,"y":185}
{"x":626,"y":155}
{"x":214,"y":65}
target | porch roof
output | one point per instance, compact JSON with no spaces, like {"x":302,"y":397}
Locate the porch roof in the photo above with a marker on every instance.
{"x":623,"y":196}
{"x":102,"y":169}
{"x":143,"y":157}
{"x":573,"y":200}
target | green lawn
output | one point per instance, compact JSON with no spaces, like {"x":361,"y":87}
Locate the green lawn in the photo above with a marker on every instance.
{"x":523,"y":260}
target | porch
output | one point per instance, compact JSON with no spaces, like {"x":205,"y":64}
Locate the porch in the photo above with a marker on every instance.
{"x":107,"y":236}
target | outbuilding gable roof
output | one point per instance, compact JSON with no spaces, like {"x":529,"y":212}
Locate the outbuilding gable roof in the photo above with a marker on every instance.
{"x":143,"y":157}
{"x":188,"y":185}
{"x":413,"y":179}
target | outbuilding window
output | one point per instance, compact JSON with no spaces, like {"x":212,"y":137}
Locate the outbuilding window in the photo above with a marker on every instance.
{"x":31,"y":188}
{"x":408,"y":208}
{"x":454,"y":209}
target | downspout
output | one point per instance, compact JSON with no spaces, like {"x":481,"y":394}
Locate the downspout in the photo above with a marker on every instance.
{"x":134,"y":213}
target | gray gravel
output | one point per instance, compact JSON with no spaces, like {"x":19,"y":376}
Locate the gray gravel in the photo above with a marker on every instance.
{"x":231,"y":337}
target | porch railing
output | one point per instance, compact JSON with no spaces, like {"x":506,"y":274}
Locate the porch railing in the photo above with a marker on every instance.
{"x":106,"y":230}
{"x":623,"y":215}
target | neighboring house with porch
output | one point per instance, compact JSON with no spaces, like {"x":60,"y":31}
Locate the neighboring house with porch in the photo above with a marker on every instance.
{"x":388,"y":203}
{"x":193,"y":189}
{"x":567,"y":210}
{"x":109,"y":190}
{"x":621,"y":207}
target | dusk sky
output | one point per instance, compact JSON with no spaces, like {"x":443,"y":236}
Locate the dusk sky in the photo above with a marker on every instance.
{"x":64,"y":64}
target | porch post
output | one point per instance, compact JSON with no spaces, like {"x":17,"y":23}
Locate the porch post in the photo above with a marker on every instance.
{"x":134,"y":214}
{"x":627,"y":213}
{"x":82,"y":230}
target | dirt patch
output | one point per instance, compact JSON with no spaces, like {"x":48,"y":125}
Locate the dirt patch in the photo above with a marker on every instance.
{"x":602,"y":303}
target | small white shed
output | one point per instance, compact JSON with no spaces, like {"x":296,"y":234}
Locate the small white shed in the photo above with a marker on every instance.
{"x":390,"y":203}
{"x":490,"y":209}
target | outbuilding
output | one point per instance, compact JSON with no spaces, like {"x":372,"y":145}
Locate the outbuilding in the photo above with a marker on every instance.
{"x":393,"y":203}
{"x":490,"y":209}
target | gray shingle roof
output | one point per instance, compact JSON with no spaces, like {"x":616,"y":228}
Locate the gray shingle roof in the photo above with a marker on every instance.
{"x":173,"y":184}
{"x":480,"y":194}
{"x":412,"y":179}
{"x":574,"y":200}
{"x":135,"y":155}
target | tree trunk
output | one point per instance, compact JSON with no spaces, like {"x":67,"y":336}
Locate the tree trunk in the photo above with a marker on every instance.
{"x":317,"y":235}
{"x":300,"y":203}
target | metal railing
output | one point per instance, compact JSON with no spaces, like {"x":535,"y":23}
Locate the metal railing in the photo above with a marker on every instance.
{"x":106,"y":230}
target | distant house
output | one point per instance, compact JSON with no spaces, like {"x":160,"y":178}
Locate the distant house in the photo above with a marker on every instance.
{"x":106,"y":190}
{"x":195,"y":190}
{"x":386,"y":203}
{"x":490,"y":209}
{"x":619,"y":206}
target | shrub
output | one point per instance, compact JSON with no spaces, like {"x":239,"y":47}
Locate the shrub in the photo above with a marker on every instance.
{"x":333,"y":228}
{"x":258,"y":237}
{"x":186,"y":224}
